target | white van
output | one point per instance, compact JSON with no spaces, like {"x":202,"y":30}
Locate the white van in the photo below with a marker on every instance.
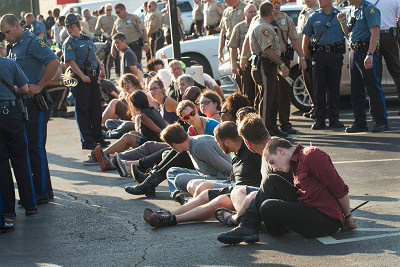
{"x":95,"y":5}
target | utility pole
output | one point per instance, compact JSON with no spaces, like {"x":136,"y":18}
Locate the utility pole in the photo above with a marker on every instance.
{"x":173,"y":20}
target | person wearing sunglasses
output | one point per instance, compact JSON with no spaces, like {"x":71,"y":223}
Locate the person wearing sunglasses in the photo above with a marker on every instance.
{"x":210,"y":105}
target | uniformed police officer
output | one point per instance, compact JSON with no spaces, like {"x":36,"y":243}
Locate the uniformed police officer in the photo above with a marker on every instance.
{"x":305,"y":13}
{"x":37,"y":27}
{"x":153,"y":25}
{"x":198,"y":17}
{"x":132,"y":26}
{"x":264,"y":45}
{"x":325,"y":33}
{"x":212,"y":16}
{"x":363,"y":34}
{"x":13,"y":145}
{"x":39,"y":64}
{"x":90,"y":20}
{"x":286,"y":30}
{"x":231,"y":16}
{"x":104,"y":28}
{"x":235,"y":43}
{"x":79,"y":53}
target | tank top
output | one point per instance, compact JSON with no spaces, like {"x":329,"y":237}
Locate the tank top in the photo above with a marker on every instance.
{"x":169,"y":117}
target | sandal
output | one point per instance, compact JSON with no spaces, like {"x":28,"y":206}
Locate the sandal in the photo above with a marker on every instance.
{"x":219,"y":214}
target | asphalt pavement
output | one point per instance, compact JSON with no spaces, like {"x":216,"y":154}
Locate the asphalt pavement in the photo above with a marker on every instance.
{"x":93,"y":222}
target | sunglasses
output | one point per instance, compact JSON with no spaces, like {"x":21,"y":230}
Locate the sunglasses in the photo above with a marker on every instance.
{"x":117,"y":12}
{"x":205,"y":102}
{"x":187,"y":117}
{"x":275,"y":2}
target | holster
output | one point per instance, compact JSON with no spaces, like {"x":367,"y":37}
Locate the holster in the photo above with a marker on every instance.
{"x":289,"y":53}
{"x":40,"y":101}
{"x":21,"y":107}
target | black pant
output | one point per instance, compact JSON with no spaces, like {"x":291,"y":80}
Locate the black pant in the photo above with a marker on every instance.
{"x":389,"y":49}
{"x":327,"y":72}
{"x":248,"y":87}
{"x":276,"y":204}
{"x":88,"y":111}
{"x":36,"y":129}
{"x":14,"y":148}
{"x":308,"y":82}
{"x":361,"y":79}
{"x":174,"y":159}
{"x":156,"y":41}
{"x":284,"y":98}
{"x":198,"y":27}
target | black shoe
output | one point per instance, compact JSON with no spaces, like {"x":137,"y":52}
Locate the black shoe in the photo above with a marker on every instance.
{"x":239,"y":234}
{"x":289,"y":129}
{"x":137,"y":190}
{"x":119,"y":165}
{"x":279,"y":133}
{"x":336,"y":124}
{"x":50,"y":194}
{"x":31,"y":211}
{"x":310,"y":114}
{"x":355,"y":128}
{"x":89,"y":147}
{"x":10,"y":215}
{"x":104,"y":143}
{"x":42,"y":199}
{"x":137,"y":175}
{"x":378,"y":127}
{"x":318,"y":125}
{"x":5,"y":227}
{"x":157,"y":220}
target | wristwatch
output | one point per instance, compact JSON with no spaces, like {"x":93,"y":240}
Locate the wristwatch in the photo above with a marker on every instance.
{"x":369,"y":53}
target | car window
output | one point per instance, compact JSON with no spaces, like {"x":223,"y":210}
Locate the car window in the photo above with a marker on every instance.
{"x":185,"y":7}
{"x":294,"y":14}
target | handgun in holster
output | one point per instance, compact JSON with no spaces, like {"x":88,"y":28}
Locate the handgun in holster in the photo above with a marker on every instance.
{"x":40,"y":101}
{"x":21,"y":107}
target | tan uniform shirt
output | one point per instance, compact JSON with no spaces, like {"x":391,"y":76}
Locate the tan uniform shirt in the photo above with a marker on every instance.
{"x":105,"y":24}
{"x":212,"y":13}
{"x":286,"y":30}
{"x":153,"y":19}
{"x":131,"y":26}
{"x":263,"y":36}
{"x":231,"y":17}
{"x":303,"y":17}
{"x":197,"y":12}
{"x":238,"y":35}
{"x":91,"y":23}
{"x":165,"y":17}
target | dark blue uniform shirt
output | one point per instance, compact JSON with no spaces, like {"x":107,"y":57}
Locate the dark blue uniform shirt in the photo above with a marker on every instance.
{"x":38,"y":27}
{"x":317,"y":23}
{"x":80,"y":49}
{"x":13,"y":75}
{"x":367,"y":16}
{"x":32,"y":54}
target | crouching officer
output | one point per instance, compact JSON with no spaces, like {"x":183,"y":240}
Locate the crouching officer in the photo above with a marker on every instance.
{"x":327,"y":43}
{"x":79,"y":53}
{"x":39,"y":63}
{"x":363,"y":33}
{"x":13,"y":144}
{"x":264,"y":46}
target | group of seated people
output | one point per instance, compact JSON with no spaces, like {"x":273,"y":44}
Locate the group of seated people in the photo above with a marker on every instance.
{"x":209,"y":151}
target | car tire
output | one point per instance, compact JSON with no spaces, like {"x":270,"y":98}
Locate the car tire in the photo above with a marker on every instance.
{"x":201,"y":60}
{"x":298,"y":93}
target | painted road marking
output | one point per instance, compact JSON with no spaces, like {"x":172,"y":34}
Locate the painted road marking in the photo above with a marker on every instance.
{"x":365,"y":161}
{"x":329,"y":240}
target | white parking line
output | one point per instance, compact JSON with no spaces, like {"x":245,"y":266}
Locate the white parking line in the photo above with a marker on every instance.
{"x":365,"y":161}
{"x":329,"y":240}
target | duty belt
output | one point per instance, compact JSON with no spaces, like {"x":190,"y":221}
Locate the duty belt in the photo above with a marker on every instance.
{"x":337,"y":48}
{"x":361,"y":46}
{"x":134,"y":43}
{"x":7,"y":103}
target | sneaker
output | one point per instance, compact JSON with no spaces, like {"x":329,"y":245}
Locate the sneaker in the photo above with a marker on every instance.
{"x":239,"y":234}
{"x":157,"y":220}
{"x":137,"y":175}
{"x":119,"y":165}
{"x":355,"y":128}
{"x":90,"y":162}
{"x":148,"y":212}
{"x":289,"y":129}
{"x":102,"y":158}
{"x":31,"y":211}
{"x":379,"y":128}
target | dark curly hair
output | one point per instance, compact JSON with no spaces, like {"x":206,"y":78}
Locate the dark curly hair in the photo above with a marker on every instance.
{"x":234,"y":102}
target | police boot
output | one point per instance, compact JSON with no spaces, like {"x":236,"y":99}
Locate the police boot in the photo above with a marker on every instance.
{"x":148,"y":187}
{"x":4,"y":226}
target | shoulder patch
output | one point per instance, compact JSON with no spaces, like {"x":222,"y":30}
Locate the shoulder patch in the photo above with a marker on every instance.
{"x":69,"y":47}
{"x":152,"y":17}
{"x":372,"y":11}
{"x":42,"y":44}
{"x":265,"y":32}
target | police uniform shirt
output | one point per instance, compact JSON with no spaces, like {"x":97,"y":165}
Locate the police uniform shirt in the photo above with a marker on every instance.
{"x":263,"y":36}
{"x":38,"y":27}
{"x":32,"y":54}
{"x":238,"y":35}
{"x":286,"y":30}
{"x":13,"y":75}
{"x":389,"y":11}
{"x":316,"y":25}
{"x":367,"y":16}
{"x":197,"y":12}
{"x":105,"y":24}
{"x":92,"y":21}
{"x":131,"y":26}
{"x":231,"y":17}
{"x":78,"y":50}
{"x":153,"y":19}
{"x":304,"y":15}
{"x":212,"y":13}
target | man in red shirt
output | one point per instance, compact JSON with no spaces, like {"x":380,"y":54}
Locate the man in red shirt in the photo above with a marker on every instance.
{"x":316,"y":204}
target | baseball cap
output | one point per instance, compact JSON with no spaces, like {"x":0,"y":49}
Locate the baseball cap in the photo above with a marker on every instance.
{"x":192,"y":93}
{"x":150,"y":74}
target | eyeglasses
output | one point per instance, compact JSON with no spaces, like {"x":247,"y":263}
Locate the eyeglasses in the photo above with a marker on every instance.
{"x":187,"y":117}
{"x":154,"y":88}
{"x":117,"y":12}
{"x":108,"y":9}
{"x":205,"y":102}
{"x":223,"y":112}
{"x":276,"y":2}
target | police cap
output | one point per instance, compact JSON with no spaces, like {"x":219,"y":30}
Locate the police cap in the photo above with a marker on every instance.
{"x":2,"y":37}
{"x":71,"y":19}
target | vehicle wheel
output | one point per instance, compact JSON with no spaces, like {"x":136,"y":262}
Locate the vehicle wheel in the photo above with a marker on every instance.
{"x":298,"y":94}
{"x":202,"y":61}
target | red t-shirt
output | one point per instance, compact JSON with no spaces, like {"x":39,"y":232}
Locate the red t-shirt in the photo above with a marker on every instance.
{"x":319,"y":184}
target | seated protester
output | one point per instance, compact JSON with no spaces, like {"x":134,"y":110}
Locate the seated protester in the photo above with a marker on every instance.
{"x":128,"y":59}
{"x":148,"y":125}
{"x":210,"y":104}
{"x":155,"y":64}
{"x":231,"y":105}
{"x":108,"y":90}
{"x":147,"y":76}
{"x":246,"y":171}
{"x":199,"y":125}
{"x":321,"y":206}
{"x":192,"y":93}
{"x":211,"y":84}
{"x":167,"y":105}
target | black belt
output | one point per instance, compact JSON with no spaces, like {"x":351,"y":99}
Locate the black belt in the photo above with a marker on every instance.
{"x":134,"y":43}
{"x":385,"y":31}
{"x":361,"y":46}
{"x":7,"y":103}
{"x":330,"y":48}
{"x":92,"y":73}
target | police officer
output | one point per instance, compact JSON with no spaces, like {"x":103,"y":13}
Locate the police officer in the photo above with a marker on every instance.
{"x":132,"y":26}
{"x":198,"y":17}
{"x":90,"y":20}
{"x":286,"y":30}
{"x":37,"y":27}
{"x":232,"y":15}
{"x":104,"y":28}
{"x":264,"y":46}
{"x":327,"y":38}
{"x":39,"y":64}
{"x":363,"y":33}
{"x":305,"y":13}
{"x":212,"y":16}
{"x":235,"y":43}
{"x":79,"y":53}
{"x":388,"y":44}
{"x":153,"y":25}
